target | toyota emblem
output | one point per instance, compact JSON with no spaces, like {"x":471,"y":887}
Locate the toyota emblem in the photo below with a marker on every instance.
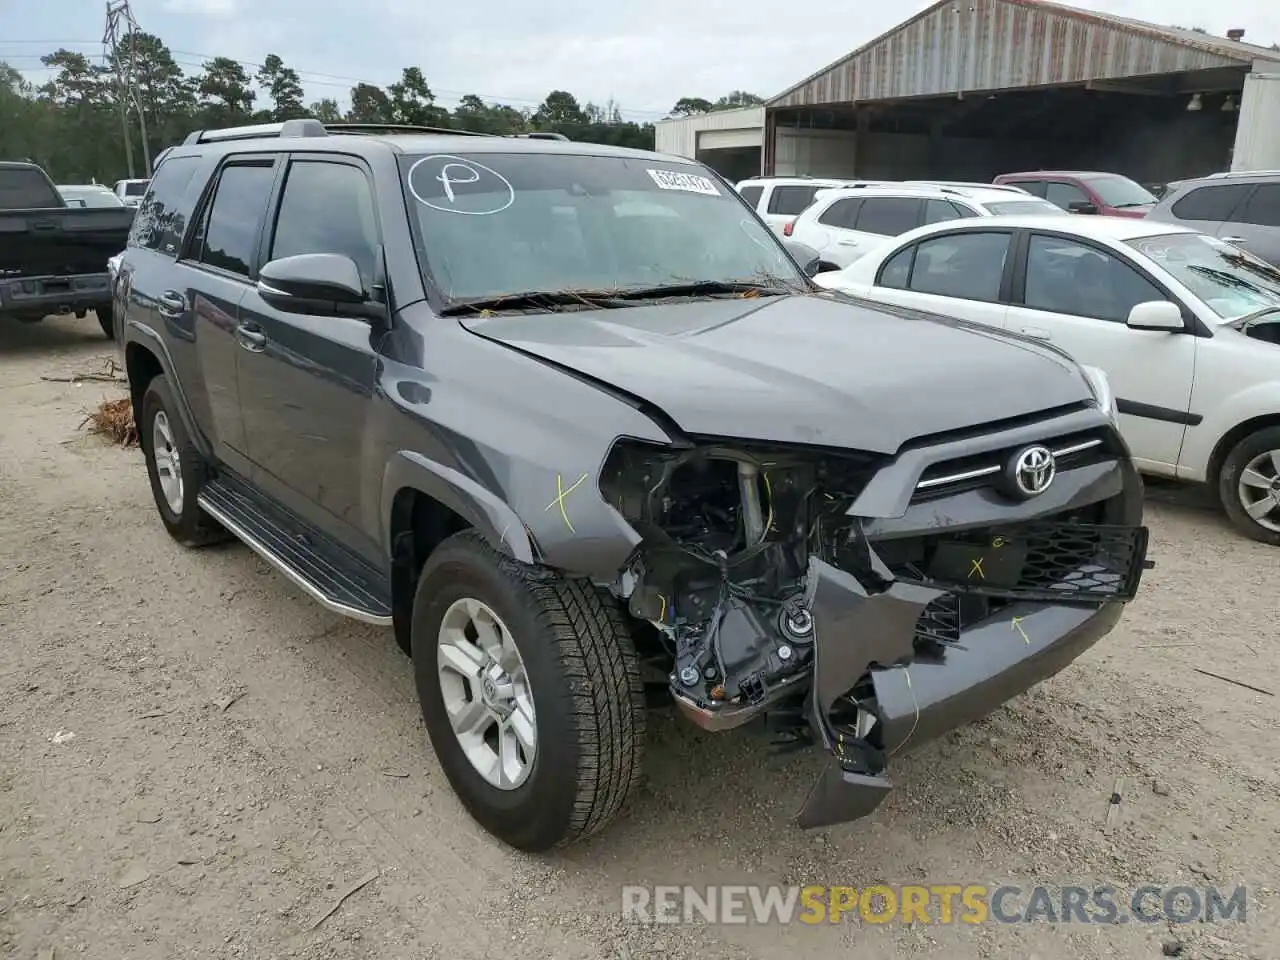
{"x":1033,"y":471}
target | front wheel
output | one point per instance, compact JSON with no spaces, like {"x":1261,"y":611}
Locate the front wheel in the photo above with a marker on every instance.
{"x":1249,"y":485}
{"x":530,"y":691}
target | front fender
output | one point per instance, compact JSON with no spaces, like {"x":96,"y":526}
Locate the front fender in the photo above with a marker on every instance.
{"x":479,"y":507}
{"x":1260,"y":400}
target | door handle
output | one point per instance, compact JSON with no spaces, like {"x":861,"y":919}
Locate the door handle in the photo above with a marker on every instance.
{"x":1037,"y":333}
{"x":847,"y":243}
{"x":172,"y":304}
{"x":255,"y":341}
{"x":1238,"y":241}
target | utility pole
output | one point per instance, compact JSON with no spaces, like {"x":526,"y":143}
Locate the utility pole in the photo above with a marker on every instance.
{"x":120,"y":46}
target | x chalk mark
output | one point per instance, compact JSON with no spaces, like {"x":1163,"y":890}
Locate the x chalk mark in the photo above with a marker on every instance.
{"x":561,"y":493}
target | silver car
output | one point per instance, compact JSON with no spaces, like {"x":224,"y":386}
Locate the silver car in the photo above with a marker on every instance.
{"x":1241,"y":208}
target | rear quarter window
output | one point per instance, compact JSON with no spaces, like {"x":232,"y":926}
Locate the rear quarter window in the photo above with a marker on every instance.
{"x":751,"y":195}
{"x":162,"y":217}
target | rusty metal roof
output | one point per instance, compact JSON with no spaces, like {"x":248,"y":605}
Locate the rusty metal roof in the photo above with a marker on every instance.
{"x":970,"y":45}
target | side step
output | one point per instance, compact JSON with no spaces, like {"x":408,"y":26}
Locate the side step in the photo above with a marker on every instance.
{"x":329,"y":573}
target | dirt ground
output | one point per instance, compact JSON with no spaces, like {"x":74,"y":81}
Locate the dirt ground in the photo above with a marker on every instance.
{"x":196,"y":761}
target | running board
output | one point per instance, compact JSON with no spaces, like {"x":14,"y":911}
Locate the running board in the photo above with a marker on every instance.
{"x":325,"y":571}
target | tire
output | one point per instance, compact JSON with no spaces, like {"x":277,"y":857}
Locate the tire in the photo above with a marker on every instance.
{"x":1251,"y":454}
{"x":583,"y":680}
{"x":105,"y":313}
{"x":184,"y":520}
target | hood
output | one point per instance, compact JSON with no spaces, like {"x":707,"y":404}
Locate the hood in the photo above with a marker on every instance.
{"x":1133,"y":213}
{"x":822,"y":370}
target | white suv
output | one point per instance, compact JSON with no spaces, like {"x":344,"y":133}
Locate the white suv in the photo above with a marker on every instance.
{"x":843,"y":224}
{"x":779,"y":200}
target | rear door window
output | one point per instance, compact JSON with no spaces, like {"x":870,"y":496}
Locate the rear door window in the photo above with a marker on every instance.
{"x":1263,"y":208}
{"x":229,"y":238}
{"x":939,"y":211}
{"x":890,"y":216}
{"x":969,"y":266}
{"x":1213,"y":203}
{"x":790,"y":199}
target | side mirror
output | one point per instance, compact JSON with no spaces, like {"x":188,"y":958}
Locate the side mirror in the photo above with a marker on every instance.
{"x":314,"y":283}
{"x":1156,"y":315}
{"x":804,"y":255}
{"x":1082,"y":206}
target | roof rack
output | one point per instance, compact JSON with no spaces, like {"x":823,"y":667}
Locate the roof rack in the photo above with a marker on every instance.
{"x":308,"y":127}
{"x":954,"y":186}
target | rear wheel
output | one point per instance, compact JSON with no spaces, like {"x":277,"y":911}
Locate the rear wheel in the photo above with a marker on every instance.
{"x":1249,"y":485}
{"x":176,"y":469}
{"x":106,"y":319}
{"x":531,"y":694}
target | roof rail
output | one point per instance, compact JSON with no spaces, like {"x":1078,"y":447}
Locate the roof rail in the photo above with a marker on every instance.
{"x":308,"y":127}
{"x":1228,"y":174}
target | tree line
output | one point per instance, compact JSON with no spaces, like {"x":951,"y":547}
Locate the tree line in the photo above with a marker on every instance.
{"x":73,"y":125}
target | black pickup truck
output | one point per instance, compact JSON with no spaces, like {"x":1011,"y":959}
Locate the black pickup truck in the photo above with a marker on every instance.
{"x":53,"y":258}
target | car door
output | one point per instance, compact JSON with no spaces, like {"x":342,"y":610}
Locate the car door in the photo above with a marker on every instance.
{"x":962,"y":274}
{"x":1077,"y":296}
{"x":210,"y":278}
{"x":1255,"y":224}
{"x":828,"y":228}
{"x":307,"y":381}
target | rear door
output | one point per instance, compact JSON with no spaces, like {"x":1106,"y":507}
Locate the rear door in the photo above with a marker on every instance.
{"x":1255,"y":223}
{"x":828,"y":228}
{"x":880,"y":218}
{"x":1077,"y":296}
{"x":307,"y":381}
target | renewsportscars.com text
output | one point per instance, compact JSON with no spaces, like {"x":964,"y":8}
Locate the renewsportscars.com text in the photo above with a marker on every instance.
{"x":933,"y":904}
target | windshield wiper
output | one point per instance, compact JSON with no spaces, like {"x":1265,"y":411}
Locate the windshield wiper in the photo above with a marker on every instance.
{"x":702,"y":288}
{"x":1221,"y":276}
{"x":1256,"y":315}
{"x":547,"y":300}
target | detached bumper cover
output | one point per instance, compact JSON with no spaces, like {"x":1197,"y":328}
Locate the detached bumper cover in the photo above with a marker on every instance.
{"x":917,"y":699}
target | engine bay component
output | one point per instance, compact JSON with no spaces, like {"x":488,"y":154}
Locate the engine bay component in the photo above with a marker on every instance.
{"x":722,"y":571}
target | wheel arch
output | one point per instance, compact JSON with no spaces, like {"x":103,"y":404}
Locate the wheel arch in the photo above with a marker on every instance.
{"x":145,"y":358}
{"x":1233,"y":436}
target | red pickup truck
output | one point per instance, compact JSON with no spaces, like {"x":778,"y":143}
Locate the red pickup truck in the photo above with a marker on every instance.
{"x":1108,"y":194}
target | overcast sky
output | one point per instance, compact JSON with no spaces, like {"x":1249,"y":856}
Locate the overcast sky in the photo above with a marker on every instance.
{"x":643,"y":55}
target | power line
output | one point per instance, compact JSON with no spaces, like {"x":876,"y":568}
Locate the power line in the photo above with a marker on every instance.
{"x":119,"y":49}
{"x":310,"y":77}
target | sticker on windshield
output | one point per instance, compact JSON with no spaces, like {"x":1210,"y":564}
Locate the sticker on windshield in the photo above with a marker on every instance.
{"x":688,"y":182}
{"x":454,"y":185}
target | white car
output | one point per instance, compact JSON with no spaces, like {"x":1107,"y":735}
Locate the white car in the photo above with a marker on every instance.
{"x":131,"y":192}
{"x":843,"y":224}
{"x":1185,"y":326}
{"x":779,"y":200}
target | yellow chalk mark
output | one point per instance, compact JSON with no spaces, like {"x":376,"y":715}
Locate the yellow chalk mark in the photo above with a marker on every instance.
{"x":561,"y":493}
{"x":1016,"y":624}
{"x":662,"y":614}
{"x":998,"y":542}
{"x":976,"y":567}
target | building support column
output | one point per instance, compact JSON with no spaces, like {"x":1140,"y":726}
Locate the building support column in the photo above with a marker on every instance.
{"x":1257,"y":145}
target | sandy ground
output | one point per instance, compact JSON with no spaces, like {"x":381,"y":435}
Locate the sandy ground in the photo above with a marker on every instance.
{"x":196,"y":761}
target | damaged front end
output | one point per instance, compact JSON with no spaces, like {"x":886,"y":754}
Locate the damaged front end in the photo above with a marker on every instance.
{"x":772,"y":597}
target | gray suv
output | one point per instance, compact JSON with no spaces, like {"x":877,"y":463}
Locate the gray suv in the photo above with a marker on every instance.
{"x":570,"y":420}
{"x":1240,"y":208}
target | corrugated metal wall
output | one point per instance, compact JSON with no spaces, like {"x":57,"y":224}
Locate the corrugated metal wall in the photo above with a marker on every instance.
{"x":997,"y":44}
{"x":1258,"y":133}
{"x":680,"y":137}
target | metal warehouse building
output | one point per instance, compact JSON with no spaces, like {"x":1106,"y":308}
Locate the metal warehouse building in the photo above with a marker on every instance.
{"x":972,"y":88}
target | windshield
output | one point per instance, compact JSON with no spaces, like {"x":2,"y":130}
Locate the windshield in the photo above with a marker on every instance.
{"x":1120,"y":192}
{"x":497,"y":224}
{"x":1022,"y":208}
{"x":1232,"y":283}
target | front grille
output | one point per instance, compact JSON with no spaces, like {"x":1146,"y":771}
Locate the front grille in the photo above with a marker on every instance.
{"x":981,"y":470}
{"x":939,"y":624}
{"x":1051,"y":560}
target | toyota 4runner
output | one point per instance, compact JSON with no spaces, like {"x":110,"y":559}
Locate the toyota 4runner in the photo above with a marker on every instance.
{"x":572,"y":421}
